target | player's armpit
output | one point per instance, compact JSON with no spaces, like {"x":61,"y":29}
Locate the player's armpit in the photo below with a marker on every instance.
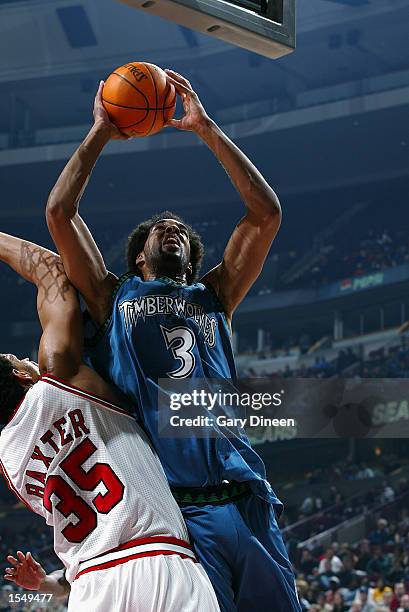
{"x":243,"y":259}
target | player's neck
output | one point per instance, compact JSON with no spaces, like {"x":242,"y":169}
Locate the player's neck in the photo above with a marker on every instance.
{"x":180,"y":279}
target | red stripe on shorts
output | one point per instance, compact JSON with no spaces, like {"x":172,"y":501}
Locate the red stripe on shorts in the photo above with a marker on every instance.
{"x":153,"y":553}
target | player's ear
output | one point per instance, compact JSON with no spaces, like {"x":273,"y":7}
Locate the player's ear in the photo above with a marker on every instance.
{"x":140,"y":259}
{"x":23,"y":377}
{"x":189,"y":268}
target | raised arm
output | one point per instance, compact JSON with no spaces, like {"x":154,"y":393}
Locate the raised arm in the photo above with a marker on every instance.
{"x":82,"y":259}
{"x":57,"y":304}
{"x":251,"y":240}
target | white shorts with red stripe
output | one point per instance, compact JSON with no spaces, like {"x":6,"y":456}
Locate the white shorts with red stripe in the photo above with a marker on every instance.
{"x":158,"y":574}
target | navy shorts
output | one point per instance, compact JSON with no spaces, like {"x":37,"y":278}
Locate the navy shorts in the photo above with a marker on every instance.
{"x":241,"y":548}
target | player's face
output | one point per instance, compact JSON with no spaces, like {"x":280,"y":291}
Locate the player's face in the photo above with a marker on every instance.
{"x":24,"y":365}
{"x":168,"y":244}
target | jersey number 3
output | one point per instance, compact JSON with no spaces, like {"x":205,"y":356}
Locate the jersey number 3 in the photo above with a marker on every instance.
{"x":71,"y":503}
{"x":180,"y":340}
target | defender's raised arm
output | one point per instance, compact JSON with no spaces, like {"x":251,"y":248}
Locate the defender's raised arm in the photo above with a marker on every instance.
{"x":57,"y":303}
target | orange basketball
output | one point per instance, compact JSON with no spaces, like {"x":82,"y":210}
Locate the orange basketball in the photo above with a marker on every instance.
{"x":139,"y":99}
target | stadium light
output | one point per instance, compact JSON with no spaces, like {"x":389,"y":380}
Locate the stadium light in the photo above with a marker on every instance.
{"x":266,"y":27}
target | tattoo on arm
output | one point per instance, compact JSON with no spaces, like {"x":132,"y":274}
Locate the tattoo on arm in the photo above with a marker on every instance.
{"x":45,"y":270}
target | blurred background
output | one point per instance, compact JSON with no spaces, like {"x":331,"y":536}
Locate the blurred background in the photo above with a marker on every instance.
{"x":328,"y":127}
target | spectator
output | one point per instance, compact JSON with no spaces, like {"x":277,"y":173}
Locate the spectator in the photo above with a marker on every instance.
{"x":307,"y":506}
{"x":347,"y":576}
{"x":364,"y":555}
{"x":398,"y":592}
{"x":379,"y":564}
{"x":302,"y":589}
{"x":404,"y":604}
{"x":330,"y":562}
{"x":318,"y":504}
{"x":325,"y":573}
{"x":307,"y":562}
{"x":387,"y":600}
{"x":388,"y":494}
{"x":380,"y":535}
{"x":379,"y":591}
{"x":338,"y":603}
{"x":363,"y":598}
{"x":365,"y":472}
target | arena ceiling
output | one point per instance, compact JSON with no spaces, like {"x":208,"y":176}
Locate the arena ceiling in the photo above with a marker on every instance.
{"x":53,"y":52}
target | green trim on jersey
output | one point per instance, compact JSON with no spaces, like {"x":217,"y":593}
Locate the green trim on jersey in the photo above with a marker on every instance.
{"x":220,"y":494}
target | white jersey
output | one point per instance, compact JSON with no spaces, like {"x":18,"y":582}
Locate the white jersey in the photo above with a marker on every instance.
{"x":86,"y":467}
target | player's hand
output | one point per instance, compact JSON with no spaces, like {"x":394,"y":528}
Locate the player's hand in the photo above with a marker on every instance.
{"x":26,"y":571}
{"x":101,"y":119}
{"x":195,"y":117}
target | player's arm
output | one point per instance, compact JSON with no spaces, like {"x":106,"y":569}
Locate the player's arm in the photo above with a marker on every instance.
{"x":83,"y":262}
{"x":251,"y":240}
{"x":57,"y":304}
{"x":29,"y":574}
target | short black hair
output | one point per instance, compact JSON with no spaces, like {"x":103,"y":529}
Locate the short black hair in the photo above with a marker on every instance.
{"x":139,"y":235}
{"x":11,"y":391}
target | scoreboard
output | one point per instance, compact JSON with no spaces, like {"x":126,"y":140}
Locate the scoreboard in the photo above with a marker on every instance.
{"x":259,"y":7}
{"x":266,"y":27}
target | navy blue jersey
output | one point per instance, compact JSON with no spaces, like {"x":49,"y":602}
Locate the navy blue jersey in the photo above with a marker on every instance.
{"x":159,"y":329}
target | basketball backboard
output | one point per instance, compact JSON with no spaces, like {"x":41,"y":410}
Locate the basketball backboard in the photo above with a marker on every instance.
{"x":266,"y":27}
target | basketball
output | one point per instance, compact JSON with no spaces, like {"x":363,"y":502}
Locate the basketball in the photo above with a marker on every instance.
{"x":138,"y":98}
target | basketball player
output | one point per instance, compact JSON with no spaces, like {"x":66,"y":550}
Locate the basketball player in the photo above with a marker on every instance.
{"x":75,"y":457}
{"x":158,"y":322}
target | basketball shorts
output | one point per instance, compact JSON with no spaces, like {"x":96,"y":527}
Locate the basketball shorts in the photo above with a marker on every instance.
{"x":158,"y":582}
{"x":241,"y":548}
